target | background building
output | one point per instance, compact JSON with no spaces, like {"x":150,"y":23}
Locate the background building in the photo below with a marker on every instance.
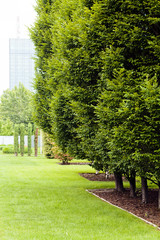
{"x":21,"y":63}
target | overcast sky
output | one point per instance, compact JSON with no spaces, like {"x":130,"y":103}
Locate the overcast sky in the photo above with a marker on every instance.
{"x":10,"y":12}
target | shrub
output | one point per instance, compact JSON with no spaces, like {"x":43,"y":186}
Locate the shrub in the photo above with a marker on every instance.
{"x":26,"y":150}
{"x":8,"y":149}
{"x":2,"y":146}
{"x":58,"y":154}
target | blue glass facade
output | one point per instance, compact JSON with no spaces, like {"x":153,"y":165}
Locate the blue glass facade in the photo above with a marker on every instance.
{"x":21,"y":63}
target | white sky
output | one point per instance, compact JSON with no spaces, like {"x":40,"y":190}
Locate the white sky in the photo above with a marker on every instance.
{"x":10,"y":11}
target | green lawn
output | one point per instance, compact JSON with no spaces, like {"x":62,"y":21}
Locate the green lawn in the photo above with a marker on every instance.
{"x":40,"y":199}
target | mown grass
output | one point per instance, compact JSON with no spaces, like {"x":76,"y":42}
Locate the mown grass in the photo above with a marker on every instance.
{"x":41,"y":200}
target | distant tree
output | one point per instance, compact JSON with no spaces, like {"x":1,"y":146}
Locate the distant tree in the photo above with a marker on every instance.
{"x":16,"y":105}
{"x":29,"y":139}
{"x":36,"y":142}
{"x":22,"y":139}
{"x":16,"y":145}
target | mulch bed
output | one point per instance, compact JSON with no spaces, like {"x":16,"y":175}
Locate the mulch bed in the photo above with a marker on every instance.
{"x":148,"y":212}
{"x":74,"y":163}
{"x":97,"y":177}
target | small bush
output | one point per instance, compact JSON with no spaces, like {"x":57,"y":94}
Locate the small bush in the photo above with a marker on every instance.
{"x":2,"y":146}
{"x":8,"y":149}
{"x":58,"y":154}
{"x":26,"y":150}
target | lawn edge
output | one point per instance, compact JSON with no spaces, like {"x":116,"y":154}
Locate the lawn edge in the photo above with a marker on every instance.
{"x":144,"y":220}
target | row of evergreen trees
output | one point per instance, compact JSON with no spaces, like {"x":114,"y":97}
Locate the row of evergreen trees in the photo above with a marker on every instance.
{"x":19,"y":130}
{"x":97,"y":83}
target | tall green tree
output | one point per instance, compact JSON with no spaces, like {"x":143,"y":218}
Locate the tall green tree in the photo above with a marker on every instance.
{"x":41,"y":36}
{"x":131,"y":46}
{"x":91,"y":65}
{"x":76,"y":67}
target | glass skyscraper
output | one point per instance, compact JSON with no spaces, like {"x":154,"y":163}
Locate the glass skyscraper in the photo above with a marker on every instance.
{"x":21,"y":63}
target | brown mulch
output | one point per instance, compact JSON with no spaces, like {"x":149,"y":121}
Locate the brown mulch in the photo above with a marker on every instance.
{"x":74,"y":163}
{"x":97,"y":177}
{"x":148,"y":212}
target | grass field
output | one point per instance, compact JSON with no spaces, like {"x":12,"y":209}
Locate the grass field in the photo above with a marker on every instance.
{"x":41,"y":200}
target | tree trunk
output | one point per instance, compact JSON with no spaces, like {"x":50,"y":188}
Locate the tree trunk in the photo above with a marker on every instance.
{"x":159,"y":196}
{"x":36,"y":142}
{"x":107,"y":174}
{"x":118,"y":182}
{"x":132,"y":182}
{"x":144,"y":190}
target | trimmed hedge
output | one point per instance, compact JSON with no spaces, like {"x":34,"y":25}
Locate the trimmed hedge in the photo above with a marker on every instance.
{"x":10,"y":149}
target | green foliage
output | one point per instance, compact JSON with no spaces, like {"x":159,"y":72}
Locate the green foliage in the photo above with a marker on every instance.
{"x":6,"y":127}
{"x":22,"y":139}
{"x":41,"y":35}
{"x":26,"y":150}
{"x":47,"y":146}
{"x":8,"y":150}
{"x":64,"y":124}
{"x":16,"y":105}
{"x":2,"y":146}
{"x":97,"y":81}
{"x":124,"y":138}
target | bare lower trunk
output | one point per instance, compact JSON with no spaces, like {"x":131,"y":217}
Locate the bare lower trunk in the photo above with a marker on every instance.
{"x":107,"y":174}
{"x":144,"y":190}
{"x":132,"y":182}
{"x":159,"y":196}
{"x":119,"y":182}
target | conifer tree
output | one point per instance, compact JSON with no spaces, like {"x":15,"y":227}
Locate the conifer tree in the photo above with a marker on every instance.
{"x":29,"y":139}
{"x":36,"y":142}
{"x":16,"y":145}
{"x":22,"y":139}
